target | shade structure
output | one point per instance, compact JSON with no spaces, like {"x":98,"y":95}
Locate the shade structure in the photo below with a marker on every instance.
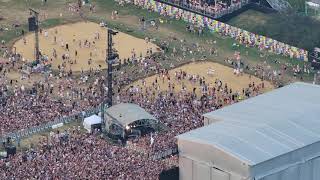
{"x":126,"y":113}
{"x":274,"y":136}
{"x":90,"y":121}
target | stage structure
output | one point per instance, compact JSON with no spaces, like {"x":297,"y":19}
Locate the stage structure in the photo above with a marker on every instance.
{"x":34,"y":26}
{"x":124,"y":118}
{"x":112,"y":55}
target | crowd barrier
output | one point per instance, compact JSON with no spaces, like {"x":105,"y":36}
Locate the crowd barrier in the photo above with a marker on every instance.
{"x":161,"y":155}
{"x":44,"y":127}
{"x":242,"y":36}
{"x":218,"y":14}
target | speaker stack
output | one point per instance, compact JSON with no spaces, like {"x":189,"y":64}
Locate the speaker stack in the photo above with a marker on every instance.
{"x":11,"y":150}
{"x":32,"y":23}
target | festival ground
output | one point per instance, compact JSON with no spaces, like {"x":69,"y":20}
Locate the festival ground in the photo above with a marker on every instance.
{"x":211,"y":72}
{"x":124,"y":43}
{"x":70,"y":34}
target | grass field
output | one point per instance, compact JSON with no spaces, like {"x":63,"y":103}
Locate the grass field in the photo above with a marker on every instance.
{"x":293,"y":29}
{"x":129,"y":19}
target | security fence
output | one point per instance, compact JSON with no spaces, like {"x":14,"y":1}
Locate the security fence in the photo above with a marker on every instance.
{"x":47,"y":126}
{"x":161,"y":155}
{"x":206,"y":11}
{"x":242,"y":36}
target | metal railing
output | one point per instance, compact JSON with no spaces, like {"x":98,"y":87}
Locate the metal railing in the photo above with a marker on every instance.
{"x":161,"y":155}
{"x":47,"y":126}
{"x":205,"y":12}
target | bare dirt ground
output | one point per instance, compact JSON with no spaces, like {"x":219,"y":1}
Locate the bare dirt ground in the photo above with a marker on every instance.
{"x":72,"y":34}
{"x":221,"y":72}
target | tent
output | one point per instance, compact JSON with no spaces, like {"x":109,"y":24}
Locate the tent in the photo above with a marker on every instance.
{"x":91,"y":121}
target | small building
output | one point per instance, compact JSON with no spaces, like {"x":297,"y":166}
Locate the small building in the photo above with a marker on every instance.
{"x":274,"y":136}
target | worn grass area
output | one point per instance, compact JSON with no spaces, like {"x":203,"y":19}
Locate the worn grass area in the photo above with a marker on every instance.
{"x":129,"y":20}
{"x":293,"y":29}
{"x":33,"y":141}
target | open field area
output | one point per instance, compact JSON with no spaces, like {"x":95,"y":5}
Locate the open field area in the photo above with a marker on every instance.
{"x":304,"y":31}
{"x":209,"y":72}
{"x":95,"y":49}
{"x":129,"y":19}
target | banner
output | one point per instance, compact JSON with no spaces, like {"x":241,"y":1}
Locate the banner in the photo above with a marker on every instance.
{"x":242,"y":36}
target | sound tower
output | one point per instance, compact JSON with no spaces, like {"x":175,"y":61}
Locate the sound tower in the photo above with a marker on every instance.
{"x":32,"y":23}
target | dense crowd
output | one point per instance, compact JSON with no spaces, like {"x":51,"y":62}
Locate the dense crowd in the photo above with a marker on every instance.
{"x":179,"y":108}
{"x":61,"y":94}
{"x":245,"y":38}
{"x":209,"y":7}
{"x":24,"y":105}
{"x":213,"y":8}
{"x":74,"y":155}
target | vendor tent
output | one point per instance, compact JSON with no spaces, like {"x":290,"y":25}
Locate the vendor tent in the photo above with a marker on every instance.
{"x":91,"y":121}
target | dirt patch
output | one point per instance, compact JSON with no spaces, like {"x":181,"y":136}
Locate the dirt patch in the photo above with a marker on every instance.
{"x":73,"y":34}
{"x":221,"y":72}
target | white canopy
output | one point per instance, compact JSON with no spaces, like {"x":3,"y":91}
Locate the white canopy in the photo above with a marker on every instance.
{"x":91,"y":120}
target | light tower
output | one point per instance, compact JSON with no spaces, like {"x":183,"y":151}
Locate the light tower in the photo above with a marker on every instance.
{"x":34,"y":26}
{"x":111,"y":56}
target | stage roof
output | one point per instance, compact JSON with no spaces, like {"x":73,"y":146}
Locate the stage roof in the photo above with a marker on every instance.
{"x":266,"y":126}
{"x":126,"y":113}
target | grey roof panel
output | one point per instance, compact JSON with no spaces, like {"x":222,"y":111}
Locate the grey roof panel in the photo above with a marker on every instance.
{"x":126,"y":113}
{"x":266,"y":126}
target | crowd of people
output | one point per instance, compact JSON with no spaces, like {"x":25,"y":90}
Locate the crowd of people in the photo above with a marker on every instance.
{"x":27,"y":101}
{"x":73,"y":154}
{"x":244,"y":37}
{"x":180,"y":108}
{"x":210,"y":7}
{"x":55,"y":95}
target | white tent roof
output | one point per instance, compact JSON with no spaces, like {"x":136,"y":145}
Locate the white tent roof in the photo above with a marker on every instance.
{"x":94,"y":119}
{"x":267,"y":126}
